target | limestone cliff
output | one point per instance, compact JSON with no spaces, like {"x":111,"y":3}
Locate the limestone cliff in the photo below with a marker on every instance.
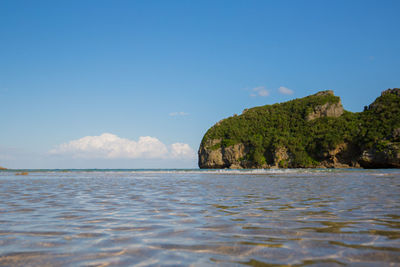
{"x":222,"y":157}
{"x":376,"y":157}
{"x":311,"y":132}
{"x":329,"y":109}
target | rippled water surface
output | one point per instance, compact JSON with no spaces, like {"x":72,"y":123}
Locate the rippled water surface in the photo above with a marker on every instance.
{"x":200,"y":218}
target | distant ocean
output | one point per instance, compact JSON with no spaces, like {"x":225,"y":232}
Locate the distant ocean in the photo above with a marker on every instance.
{"x":176,"y":217}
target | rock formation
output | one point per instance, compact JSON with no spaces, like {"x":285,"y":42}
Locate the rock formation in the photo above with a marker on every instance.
{"x":222,"y":157}
{"x":311,"y":132}
{"x":388,"y":157}
{"x":326,"y":110}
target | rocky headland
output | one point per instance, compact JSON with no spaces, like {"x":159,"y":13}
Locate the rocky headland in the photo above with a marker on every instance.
{"x":310,"y":132}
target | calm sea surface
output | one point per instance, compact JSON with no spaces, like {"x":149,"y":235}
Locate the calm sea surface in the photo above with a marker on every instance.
{"x":200,"y":218}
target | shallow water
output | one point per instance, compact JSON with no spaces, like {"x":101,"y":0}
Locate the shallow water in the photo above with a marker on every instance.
{"x":200,"y":218}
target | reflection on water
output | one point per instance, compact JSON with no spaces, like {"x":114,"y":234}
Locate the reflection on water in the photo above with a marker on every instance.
{"x":262,"y":218}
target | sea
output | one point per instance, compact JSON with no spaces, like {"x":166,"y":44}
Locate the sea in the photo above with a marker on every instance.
{"x":296,"y":217}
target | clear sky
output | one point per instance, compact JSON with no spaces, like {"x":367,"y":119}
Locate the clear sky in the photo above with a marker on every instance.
{"x":135,"y":84}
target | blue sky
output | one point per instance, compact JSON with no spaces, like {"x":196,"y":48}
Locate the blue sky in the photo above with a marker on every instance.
{"x":169,"y":70}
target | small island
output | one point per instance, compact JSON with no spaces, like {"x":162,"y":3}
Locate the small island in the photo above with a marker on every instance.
{"x":310,"y":132}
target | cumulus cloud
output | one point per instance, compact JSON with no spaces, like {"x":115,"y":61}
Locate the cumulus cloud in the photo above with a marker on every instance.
{"x":285,"y":90}
{"x":260,"y":91}
{"x":181,"y":150}
{"x":111,"y":146}
{"x":6,"y":157}
{"x":180,"y":113}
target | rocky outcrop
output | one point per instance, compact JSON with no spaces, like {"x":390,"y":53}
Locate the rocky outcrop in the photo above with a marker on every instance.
{"x":385,"y":155}
{"x":281,"y":158}
{"x":2,"y":168}
{"x":213,"y":156}
{"x":343,"y":156}
{"x":326,"y":110}
{"x":302,"y":138}
{"x":210,"y":155}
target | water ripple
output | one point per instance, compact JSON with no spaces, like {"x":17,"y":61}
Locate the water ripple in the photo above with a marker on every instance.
{"x":181,"y":218}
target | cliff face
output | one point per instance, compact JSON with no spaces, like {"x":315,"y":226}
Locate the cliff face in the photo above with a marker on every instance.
{"x":388,"y":157}
{"x":329,"y":109}
{"x":222,"y":157}
{"x":311,"y":132}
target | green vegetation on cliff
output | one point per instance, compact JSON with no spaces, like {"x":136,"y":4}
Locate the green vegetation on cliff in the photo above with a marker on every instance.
{"x":380,"y":121}
{"x":308,"y":128}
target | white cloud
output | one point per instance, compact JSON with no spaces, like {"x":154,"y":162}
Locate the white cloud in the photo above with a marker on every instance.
{"x":181,"y":150}
{"x":285,"y":90}
{"x":110,"y":146}
{"x":260,"y":91}
{"x":180,"y":113}
{"x":6,"y":157}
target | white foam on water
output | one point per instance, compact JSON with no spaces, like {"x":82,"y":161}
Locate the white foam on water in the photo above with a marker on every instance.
{"x":289,"y":172}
